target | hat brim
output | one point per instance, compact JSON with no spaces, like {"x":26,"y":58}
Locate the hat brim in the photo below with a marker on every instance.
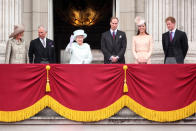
{"x":84,"y":34}
{"x":18,"y":30}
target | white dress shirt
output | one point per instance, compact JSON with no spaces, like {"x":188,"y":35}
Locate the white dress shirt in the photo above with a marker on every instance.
{"x":173,"y":33}
{"x":113,"y":31}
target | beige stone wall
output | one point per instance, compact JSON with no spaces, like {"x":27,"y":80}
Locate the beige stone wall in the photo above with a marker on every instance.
{"x":27,"y":18}
{"x":35,"y":13}
{"x":127,"y":15}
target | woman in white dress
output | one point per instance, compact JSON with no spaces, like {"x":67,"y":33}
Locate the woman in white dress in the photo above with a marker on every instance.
{"x":80,"y":53}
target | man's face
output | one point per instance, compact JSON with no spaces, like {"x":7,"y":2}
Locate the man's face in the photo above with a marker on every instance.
{"x":114,"y":24}
{"x":42,"y":33}
{"x":170,"y":25}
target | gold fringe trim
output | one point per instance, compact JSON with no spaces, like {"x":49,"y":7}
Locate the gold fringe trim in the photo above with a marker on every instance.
{"x":125,"y":89}
{"x":160,"y":116}
{"x":87,"y":116}
{"x":48,"y":83}
{"x":19,"y":115}
{"x":97,"y":115}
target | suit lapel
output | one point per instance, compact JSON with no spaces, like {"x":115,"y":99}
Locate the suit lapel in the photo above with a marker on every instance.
{"x":39,"y":43}
{"x":117,"y":36}
{"x":167,"y":39}
{"x":109,"y":35}
{"x":175,"y":36}
{"x":47,"y":42}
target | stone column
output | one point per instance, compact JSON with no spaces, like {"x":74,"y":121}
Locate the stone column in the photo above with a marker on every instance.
{"x":10,"y":14}
{"x":35,"y":13}
{"x":39,"y":15}
{"x":50,"y":20}
{"x":27,"y":19}
{"x":126,"y":16}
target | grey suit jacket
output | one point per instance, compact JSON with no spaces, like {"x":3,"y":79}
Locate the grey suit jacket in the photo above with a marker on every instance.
{"x":111,"y":47}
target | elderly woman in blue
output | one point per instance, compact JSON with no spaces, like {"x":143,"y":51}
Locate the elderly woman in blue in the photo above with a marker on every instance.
{"x":80,"y":52}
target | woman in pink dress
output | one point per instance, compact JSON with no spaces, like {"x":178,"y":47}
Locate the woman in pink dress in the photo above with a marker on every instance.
{"x":142,"y":43}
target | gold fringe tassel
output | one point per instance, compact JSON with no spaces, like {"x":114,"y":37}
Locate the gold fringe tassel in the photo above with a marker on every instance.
{"x":87,"y":116}
{"x":101,"y":114}
{"x":125,"y":89}
{"x":19,"y":115}
{"x":48,"y":81}
{"x":160,"y":116}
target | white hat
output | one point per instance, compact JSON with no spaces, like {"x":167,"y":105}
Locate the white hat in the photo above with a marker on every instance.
{"x":17,"y":29}
{"x":139,"y":21}
{"x":79,"y":32}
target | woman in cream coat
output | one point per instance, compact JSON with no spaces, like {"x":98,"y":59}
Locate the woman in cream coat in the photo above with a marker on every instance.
{"x":142,"y":43}
{"x":80,"y":52}
{"x":16,"y":48}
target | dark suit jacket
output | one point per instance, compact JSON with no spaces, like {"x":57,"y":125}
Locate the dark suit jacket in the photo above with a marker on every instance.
{"x":112,"y":47}
{"x":36,"y":51}
{"x":180,"y":43}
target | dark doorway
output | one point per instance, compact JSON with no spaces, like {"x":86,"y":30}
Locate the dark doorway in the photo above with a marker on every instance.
{"x":93,"y":16}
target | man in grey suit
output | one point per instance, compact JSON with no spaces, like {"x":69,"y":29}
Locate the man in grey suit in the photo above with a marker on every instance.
{"x":113,"y":44}
{"x":175,"y":43}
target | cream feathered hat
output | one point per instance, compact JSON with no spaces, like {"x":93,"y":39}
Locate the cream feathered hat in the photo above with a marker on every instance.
{"x":17,"y":29}
{"x":139,"y":21}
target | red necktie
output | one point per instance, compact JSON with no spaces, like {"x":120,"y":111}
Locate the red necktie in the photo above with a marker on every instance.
{"x":170,"y":36}
{"x":113,"y":35}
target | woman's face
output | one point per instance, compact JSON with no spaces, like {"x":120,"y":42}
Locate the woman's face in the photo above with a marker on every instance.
{"x":19,"y":36}
{"x":142,"y":28}
{"x":80,"y":39}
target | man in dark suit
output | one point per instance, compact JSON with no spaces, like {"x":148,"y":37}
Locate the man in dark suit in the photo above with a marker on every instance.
{"x":175,"y":43}
{"x":42,"y":49}
{"x":113,"y":44}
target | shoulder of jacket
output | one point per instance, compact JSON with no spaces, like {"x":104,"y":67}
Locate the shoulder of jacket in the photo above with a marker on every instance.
{"x":86,"y":44}
{"x":165,"y":33}
{"x":49,"y":40}
{"x":150,"y":36}
{"x":74,"y":43}
{"x":104,"y":33}
{"x":134,"y":36}
{"x":180,"y":31}
{"x":120,"y":31}
{"x":10,"y":39}
{"x":35,"y":40}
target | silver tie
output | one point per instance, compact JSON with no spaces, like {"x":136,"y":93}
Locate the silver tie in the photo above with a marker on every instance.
{"x":44,"y":43}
